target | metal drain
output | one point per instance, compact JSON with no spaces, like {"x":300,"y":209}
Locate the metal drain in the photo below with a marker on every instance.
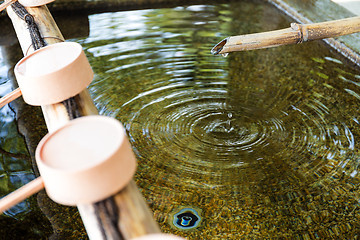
{"x":187,"y":218}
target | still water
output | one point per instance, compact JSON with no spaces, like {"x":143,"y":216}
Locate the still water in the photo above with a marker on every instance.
{"x":259,"y":145}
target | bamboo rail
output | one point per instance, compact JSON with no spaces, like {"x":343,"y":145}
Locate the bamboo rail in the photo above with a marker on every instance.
{"x":133,"y":216}
{"x":297,"y":33}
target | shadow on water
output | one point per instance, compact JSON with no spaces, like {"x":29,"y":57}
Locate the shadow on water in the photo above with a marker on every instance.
{"x":261,"y":144}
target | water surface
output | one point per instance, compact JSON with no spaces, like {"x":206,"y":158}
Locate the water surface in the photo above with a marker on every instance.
{"x":263,"y":144}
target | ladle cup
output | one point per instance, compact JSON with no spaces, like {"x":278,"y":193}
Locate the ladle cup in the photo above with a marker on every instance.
{"x":85,"y":161}
{"x":25,"y":3}
{"x":53,"y":73}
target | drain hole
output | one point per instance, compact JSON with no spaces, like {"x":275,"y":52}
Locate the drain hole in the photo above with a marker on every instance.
{"x":187,"y":218}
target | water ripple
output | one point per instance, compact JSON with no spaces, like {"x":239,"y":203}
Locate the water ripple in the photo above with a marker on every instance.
{"x":260,"y":129}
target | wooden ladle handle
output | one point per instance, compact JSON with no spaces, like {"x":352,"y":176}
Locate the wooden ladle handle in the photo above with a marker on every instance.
{"x":21,"y":194}
{"x":10,"y":97}
{"x":5,"y":4}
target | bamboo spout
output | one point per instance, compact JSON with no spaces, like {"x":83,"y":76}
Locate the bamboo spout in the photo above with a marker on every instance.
{"x":296,"y":33}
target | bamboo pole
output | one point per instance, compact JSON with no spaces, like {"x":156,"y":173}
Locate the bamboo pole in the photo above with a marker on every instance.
{"x":133,"y":218}
{"x":297,"y":33}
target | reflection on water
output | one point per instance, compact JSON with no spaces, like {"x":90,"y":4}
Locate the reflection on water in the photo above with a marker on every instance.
{"x":264,"y":142}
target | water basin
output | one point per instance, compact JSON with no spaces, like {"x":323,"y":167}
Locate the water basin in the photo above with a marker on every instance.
{"x":264,"y":143}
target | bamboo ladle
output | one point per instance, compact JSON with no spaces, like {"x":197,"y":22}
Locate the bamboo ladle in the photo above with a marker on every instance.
{"x":98,"y":162}
{"x":25,"y":3}
{"x":297,"y":33}
{"x":56,"y":79}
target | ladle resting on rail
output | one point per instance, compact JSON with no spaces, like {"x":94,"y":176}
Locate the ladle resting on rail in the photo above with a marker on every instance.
{"x":297,"y":33}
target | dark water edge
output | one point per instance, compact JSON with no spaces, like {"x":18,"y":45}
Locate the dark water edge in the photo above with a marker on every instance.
{"x":262,"y":143}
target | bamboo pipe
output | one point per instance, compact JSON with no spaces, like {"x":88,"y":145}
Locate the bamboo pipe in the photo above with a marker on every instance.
{"x":297,"y":33}
{"x":135,"y":218}
{"x":10,"y":97}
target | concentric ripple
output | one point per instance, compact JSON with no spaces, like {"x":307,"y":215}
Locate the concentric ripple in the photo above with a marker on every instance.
{"x":263,"y":138}
{"x":194,"y":121}
{"x":220,"y":129}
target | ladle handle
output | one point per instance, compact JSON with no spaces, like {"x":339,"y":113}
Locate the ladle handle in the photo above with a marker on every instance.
{"x":10,"y":97}
{"x":5,"y":4}
{"x":21,"y":194}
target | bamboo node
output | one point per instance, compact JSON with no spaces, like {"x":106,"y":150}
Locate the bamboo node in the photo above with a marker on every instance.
{"x":303,"y":31}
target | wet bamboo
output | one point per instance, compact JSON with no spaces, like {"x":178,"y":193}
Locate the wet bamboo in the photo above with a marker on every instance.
{"x":134,"y":218}
{"x":297,"y":33}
